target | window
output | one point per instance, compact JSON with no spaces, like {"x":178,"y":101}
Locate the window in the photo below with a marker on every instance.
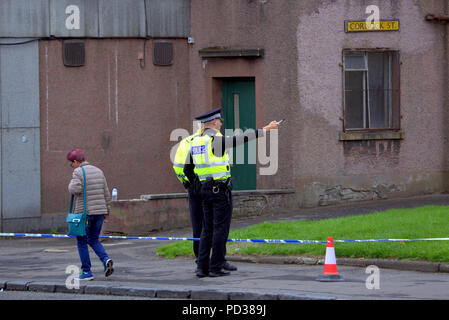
{"x":371,"y":90}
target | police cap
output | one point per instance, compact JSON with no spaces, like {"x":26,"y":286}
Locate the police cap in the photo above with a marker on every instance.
{"x":209,"y":116}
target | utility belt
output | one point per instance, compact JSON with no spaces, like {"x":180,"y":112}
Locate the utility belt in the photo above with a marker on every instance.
{"x":216,"y":185}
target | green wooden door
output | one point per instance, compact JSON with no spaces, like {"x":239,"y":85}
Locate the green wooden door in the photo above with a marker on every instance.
{"x":239,"y":112}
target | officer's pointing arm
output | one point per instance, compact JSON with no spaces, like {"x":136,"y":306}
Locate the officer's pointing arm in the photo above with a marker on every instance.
{"x":226,"y":142}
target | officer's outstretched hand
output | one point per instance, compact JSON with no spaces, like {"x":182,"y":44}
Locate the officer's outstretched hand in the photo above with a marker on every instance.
{"x":272,"y":125}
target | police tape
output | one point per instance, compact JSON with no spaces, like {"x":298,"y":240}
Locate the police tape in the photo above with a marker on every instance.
{"x":39,"y":235}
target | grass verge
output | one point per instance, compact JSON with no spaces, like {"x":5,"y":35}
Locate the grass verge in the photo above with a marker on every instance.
{"x":422,"y":222}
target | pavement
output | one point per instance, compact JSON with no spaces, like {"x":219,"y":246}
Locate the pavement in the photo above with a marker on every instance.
{"x":47,"y":265}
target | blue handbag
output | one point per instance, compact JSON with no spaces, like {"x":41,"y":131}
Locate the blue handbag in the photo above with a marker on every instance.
{"x":77,"y":221}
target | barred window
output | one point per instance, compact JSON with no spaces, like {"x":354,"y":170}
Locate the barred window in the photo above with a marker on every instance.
{"x":371,"y":90}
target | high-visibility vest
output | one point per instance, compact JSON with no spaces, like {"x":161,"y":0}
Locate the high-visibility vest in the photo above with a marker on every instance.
{"x":181,"y":158}
{"x":206,"y":163}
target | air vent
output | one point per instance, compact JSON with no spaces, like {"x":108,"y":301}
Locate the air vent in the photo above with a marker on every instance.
{"x":74,"y":53}
{"x":163,"y":53}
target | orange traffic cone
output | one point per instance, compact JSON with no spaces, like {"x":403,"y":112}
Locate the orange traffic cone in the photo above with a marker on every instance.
{"x":330,"y":273}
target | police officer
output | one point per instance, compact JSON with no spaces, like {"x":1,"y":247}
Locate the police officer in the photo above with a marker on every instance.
{"x":211,"y":161}
{"x":184,"y":169}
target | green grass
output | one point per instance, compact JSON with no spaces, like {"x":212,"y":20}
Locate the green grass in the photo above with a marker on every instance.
{"x":422,"y":222}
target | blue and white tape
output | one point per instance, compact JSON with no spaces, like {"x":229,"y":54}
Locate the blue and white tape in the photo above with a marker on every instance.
{"x":39,"y":235}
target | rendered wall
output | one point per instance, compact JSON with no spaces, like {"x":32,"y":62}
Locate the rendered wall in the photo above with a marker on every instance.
{"x":300,"y":78}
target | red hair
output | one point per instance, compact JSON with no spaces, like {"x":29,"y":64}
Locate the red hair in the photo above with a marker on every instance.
{"x":76,"y":154}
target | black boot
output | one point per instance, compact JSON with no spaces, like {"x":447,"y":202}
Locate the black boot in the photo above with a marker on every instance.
{"x":219,"y":273}
{"x":229,"y":267}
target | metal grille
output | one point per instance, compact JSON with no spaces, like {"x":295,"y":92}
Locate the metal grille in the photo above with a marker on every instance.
{"x":163,"y":53}
{"x":74,"y":53}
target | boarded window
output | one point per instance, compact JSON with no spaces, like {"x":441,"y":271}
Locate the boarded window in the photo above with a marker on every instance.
{"x":371,"y":90}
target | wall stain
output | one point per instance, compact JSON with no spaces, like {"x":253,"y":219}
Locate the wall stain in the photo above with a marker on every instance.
{"x":371,"y":153}
{"x":106,"y":140}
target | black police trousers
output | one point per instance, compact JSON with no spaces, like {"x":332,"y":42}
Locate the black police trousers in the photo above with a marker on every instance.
{"x":217,"y":209}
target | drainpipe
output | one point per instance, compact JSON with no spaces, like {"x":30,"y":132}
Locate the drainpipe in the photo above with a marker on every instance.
{"x":444,"y":20}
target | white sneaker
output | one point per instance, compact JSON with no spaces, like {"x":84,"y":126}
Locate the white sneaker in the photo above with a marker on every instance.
{"x":108,"y":269}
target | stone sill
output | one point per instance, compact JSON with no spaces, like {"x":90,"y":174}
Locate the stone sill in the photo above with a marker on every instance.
{"x":147,"y":197}
{"x":378,"y":135}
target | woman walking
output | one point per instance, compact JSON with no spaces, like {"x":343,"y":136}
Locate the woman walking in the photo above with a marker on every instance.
{"x":97,"y":202}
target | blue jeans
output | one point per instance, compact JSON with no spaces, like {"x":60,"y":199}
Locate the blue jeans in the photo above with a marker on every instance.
{"x":93,"y":229}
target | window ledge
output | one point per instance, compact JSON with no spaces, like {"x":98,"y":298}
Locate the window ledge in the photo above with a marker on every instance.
{"x":379,"y":135}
